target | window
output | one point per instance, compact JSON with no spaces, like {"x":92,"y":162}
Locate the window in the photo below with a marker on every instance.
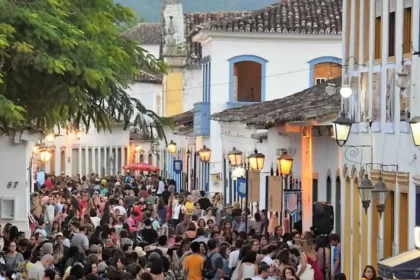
{"x":407,"y":31}
{"x":319,"y":80}
{"x":391,"y":34}
{"x":150,"y":160}
{"x":7,"y":208}
{"x":247,"y":81}
{"x":378,"y":37}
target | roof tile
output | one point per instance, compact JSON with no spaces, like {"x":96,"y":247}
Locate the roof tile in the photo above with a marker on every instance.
{"x":145,"y":33}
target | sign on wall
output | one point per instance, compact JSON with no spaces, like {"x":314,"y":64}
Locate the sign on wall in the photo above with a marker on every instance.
{"x":241,"y":187}
{"x":177,"y":166}
{"x":253,"y":186}
{"x":275,"y":193}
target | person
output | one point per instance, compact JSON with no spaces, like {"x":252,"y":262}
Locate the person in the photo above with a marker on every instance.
{"x":248,"y":267}
{"x":215,"y":260}
{"x":289,"y":273}
{"x":204,"y":201}
{"x":309,"y":256}
{"x":12,"y":258}
{"x":369,"y":273}
{"x":79,"y":239}
{"x":335,"y":241}
{"x":193,"y":264}
{"x":37,"y":271}
{"x":263,"y":272}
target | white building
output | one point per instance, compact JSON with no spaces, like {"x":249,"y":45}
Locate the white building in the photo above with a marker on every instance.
{"x":105,"y":153}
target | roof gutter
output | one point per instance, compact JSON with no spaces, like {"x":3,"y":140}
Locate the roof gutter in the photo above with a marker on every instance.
{"x":268,"y":35}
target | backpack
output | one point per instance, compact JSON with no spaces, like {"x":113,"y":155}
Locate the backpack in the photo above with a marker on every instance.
{"x":140,"y":238}
{"x":208,"y":272}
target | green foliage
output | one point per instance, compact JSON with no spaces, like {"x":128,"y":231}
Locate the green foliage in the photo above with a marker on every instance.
{"x":65,"y":62}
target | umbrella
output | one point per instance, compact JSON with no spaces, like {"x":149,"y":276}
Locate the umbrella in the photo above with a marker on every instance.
{"x":141,"y":166}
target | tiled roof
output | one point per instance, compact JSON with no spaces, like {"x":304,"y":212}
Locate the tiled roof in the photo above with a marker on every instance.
{"x":288,"y":16}
{"x":145,"y":33}
{"x":309,"y":104}
{"x":193,"y":23}
{"x":183,"y":119}
{"x":145,"y":77}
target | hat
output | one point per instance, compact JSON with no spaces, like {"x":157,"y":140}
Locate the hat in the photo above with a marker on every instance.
{"x":139,"y":251}
{"x":103,"y":182}
{"x":117,"y":184}
{"x":58,"y":234}
{"x":97,"y":180}
{"x":102,"y":266}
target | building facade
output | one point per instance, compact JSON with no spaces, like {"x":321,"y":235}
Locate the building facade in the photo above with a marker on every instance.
{"x":380,"y":38}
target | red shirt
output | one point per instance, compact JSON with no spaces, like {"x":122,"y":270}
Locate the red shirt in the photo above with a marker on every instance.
{"x":48,"y":185}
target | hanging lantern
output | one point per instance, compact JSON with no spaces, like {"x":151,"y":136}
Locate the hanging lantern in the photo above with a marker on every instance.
{"x":50,"y":137}
{"x":137,"y":149}
{"x":346,"y":91}
{"x":235,"y":157}
{"x":205,"y":154}
{"x":284,"y":164}
{"x":172,"y":147}
{"x":380,"y":195}
{"x":342,"y":126}
{"x":256,"y":160}
{"x":78,"y":134}
{"x":365,"y":192}
{"x":415,"y":130}
{"x":45,"y":155}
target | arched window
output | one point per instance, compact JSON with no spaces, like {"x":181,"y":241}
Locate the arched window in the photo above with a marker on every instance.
{"x":247,"y":75}
{"x":323,"y":68}
{"x":329,"y":190}
{"x":337,"y":207}
{"x":150,"y":160}
{"x":141,"y":158}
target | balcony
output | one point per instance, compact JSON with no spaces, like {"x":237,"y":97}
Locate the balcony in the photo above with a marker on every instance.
{"x":201,"y":119}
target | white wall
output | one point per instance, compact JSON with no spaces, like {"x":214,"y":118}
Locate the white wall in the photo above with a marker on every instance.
{"x":14,"y":162}
{"x":283,"y":56}
{"x":193,"y":88}
{"x":146,"y":93}
{"x":152,"y":49}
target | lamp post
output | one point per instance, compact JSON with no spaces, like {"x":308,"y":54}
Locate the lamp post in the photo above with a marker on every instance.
{"x":205,"y":154}
{"x":172,"y":147}
{"x":255,"y":163}
{"x":342,"y":126}
{"x":415,"y":130}
{"x":235,"y":157}
{"x":188,"y":170}
{"x":284,"y":165}
{"x":365,"y":192}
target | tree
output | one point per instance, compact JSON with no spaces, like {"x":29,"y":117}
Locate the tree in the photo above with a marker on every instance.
{"x":127,"y":25}
{"x":64,"y":62}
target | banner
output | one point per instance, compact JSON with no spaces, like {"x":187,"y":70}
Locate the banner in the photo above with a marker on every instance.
{"x":275,"y":193}
{"x":241,"y":187}
{"x":253,"y":186}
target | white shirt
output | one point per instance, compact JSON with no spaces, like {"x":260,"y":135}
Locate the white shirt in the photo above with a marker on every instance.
{"x":177,"y":210}
{"x":268,"y":260}
{"x":233,"y":258}
{"x":122,"y":209}
{"x":260,"y":278}
{"x":96,"y":221}
{"x":161,"y":187}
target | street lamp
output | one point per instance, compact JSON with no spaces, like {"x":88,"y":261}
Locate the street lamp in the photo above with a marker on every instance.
{"x":45,"y":155}
{"x":50,"y":137}
{"x":235,"y":157}
{"x":205,"y":154}
{"x":78,"y":134}
{"x":172,"y":147}
{"x":415,"y":130}
{"x":256,"y":160}
{"x":365,"y":192}
{"x":284,"y":164}
{"x":137,"y":148}
{"x":342,"y":126}
{"x":380,"y":194}
{"x":346,"y":91}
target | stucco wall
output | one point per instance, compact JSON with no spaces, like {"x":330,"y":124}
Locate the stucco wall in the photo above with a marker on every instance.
{"x":193,"y":88}
{"x":152,"y":49}
{"x":287,"y":69}
{"x":14,"y":162}
{"x":146,"y":93}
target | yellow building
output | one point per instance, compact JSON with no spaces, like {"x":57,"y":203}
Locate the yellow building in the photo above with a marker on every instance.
{"x":379,"y":39}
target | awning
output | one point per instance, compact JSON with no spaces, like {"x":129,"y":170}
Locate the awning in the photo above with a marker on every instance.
{"x":402,"y":266}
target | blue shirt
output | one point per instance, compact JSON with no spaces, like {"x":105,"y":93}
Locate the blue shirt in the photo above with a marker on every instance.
{"x":336,"y":256}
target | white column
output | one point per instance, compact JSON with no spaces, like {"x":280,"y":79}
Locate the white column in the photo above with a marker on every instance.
{"x":57,"y":161}
{"x":369,"y":222}
{"x":87,"y":160}
{"x":94,"y":159}
{"x":352,"y":227}
{"x":371,"y":54}
{"x":80,"y":160}
{"x":117,"y":166}
{"x":362,"y":31}
{"x":99,"y":161}
{"x":137,"y":156}
{"x":105,"y":161}
{"x":123,"y":163}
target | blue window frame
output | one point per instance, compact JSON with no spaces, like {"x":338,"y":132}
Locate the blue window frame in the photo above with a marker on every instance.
{"x":247,"y":57}
{"x":322,"y":59}
{"x":206,"y":69}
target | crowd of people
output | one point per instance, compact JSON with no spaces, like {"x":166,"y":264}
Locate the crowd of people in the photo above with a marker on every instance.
{"x":138,"y":227}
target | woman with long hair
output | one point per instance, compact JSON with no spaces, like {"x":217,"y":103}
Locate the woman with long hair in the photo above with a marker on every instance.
{"x":191,"y":232}
{"x":310,"y":257}
{"x":59,"y":259}
{"x":217,"y":203}
{"x":12,"y":258}
{"x":55,"y":228}
{"x":369,"y":273}
{"x":248,"y":267}
{"x":289,"y":273}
